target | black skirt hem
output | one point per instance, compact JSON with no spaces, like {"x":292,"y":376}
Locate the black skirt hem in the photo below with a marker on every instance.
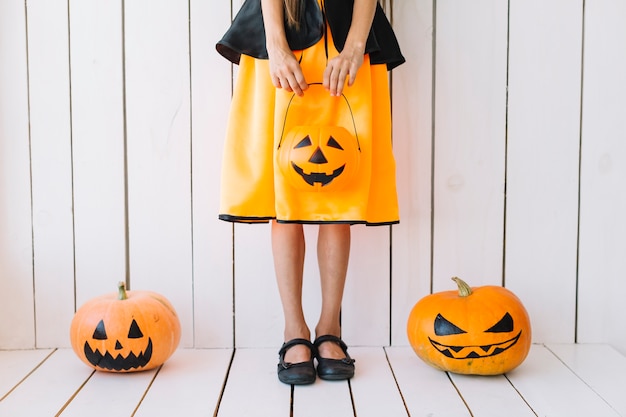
{"x":252,"y":220}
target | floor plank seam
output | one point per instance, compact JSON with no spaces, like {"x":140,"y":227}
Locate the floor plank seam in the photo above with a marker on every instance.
{"x":395,"y":380}
{"x":458,"y":391}
{"x":223,"y":389}
{"x":521,"y":396}
{"x":67,"y":403}
{"x":27,"y":375}
{"x":580,"y":378}
{"x":352,"y":398}
{"x":154,"y":377}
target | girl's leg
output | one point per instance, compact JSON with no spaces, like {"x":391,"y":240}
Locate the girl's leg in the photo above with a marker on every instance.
{"x":288,"y":251}
{"x":333,"y":251}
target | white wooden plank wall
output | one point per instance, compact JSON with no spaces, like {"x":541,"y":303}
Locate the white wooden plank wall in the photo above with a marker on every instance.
{"x":412,"y":114}
{"x":603,"y":171}
{"x":16,"y":243}
{"x":508,"y":132}
{"x":469,"y":132}
{"x":97,"y":146}
{"x":543,"y":148}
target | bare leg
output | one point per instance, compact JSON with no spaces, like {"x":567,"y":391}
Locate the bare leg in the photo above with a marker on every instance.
{"x":333,"y":251}
{"x":288,"y":249}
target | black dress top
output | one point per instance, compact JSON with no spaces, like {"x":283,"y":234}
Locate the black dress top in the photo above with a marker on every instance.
{"x":246,"y":34}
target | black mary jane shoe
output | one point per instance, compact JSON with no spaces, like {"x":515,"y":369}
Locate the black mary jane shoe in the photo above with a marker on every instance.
{"x":301,"y":373}
{"x":334,"y":369}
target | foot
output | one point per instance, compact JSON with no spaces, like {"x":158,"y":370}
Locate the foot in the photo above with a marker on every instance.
{"x":329,"y":349}
{"x":296,"y":373}
{"x":333,"y":369}
{"x":298,"y":353}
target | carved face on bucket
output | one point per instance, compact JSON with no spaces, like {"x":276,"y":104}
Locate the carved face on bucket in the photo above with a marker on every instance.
{"x":119,"y":352}
{"x":319,"y":158}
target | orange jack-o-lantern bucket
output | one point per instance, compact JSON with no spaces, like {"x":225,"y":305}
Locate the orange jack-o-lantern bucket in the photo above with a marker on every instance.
{"x":319,"y":158}
{"x":323,"y":155}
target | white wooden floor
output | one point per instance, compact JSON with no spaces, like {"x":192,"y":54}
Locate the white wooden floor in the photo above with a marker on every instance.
{"x":555,"y":380}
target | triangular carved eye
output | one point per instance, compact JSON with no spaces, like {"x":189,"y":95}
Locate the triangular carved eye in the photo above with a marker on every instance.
{"x":505,"y":325}
{"x":332,"y":142}
{"x":445,"y":328}
{"x":304,"y":142}
{"x":134,"y":332}
{"x":100,"y":333}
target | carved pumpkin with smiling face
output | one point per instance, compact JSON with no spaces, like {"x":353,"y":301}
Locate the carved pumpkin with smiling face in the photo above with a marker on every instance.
{"x":319,"y":158}
{"x":125,"y":332}
{"x":480,"y":331}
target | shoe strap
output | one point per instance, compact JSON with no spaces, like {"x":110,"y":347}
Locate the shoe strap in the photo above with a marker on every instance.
{"x":291,"y":343}
{"x":338,"y":341}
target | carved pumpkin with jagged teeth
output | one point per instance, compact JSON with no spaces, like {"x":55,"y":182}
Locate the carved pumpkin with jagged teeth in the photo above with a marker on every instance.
{"x":126,"y":331}
{"x":482,"y":331}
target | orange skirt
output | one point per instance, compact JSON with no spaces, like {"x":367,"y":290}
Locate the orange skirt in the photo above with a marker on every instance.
{"x":311,"y":159}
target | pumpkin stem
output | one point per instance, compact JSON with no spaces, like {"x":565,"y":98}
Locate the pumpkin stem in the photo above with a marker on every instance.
{"x":121,"y":288}
{"x":464,"y":289}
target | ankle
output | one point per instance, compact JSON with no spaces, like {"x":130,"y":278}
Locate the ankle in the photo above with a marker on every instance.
{"x":297,"y":333}
{"x":324,"y":330}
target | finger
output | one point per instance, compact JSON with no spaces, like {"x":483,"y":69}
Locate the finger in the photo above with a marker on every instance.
{"x":335,"y":78}
{"x":354,"y":69}
{"x":301,"y":84}
{"x":330,"y":77}
{"x":339,"y":89}
{"x":340,"y":82}
{"x":276,"y":82}
{"x":297,"y":90}
{"x":290,"y":84}
{"x":326,"y":78}
{"x":285,"y":85}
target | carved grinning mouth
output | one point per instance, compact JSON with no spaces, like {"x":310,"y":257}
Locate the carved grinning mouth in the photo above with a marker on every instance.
{"x":472,"y":352}
{"x":318,"y":177}
{"x":119,"y":363}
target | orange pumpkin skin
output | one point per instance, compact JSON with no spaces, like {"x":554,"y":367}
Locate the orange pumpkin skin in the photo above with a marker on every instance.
{"x":477,"y":331}
{"x":126,"y":331}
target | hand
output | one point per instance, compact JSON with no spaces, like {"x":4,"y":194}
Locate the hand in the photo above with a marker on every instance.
{"x":345,"y":65}
{"x":286,"y":72}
